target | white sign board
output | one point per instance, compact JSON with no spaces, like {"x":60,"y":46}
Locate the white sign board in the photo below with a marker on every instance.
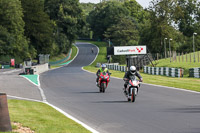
{"x":130,"y":50}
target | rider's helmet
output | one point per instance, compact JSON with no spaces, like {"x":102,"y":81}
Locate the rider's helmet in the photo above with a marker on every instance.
{"x":132,"y":69}
{"x":103,"y":66}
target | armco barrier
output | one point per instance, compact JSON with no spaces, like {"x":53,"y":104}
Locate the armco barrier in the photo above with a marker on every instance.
{"x":194,"y":72}
{"x":165,"y":71}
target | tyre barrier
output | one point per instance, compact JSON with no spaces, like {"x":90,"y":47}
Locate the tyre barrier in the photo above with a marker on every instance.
{"x":165,"y":71}
{"x":194,"y":72}
{"x":116,"y":67}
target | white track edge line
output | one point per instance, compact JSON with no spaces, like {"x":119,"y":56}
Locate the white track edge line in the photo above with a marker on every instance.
{"x":59,"y":110}
{"x":74,"y":119}
{"x":21,"y":98}
{"x":155,"y":85}
{"x":44,"y":99}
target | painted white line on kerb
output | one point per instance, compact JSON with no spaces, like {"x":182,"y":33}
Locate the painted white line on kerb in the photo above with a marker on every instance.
{"x":173,"y":88}
{"x":41,"y":90}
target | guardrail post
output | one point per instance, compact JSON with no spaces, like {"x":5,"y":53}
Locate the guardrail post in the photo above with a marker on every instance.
{"x":5,"y":125}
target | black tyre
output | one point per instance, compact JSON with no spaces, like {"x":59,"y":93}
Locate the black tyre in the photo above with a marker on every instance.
{"x":133,"y":95}
{"x":103,"y":87}
{"x":100,"y":90}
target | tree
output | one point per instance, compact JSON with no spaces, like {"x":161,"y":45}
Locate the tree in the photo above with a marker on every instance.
{"x":160,"y":26}
{"x":124,"y":33}
{"x":104,"y":16}
{"x":135,"y":9}
{"x":6,"y":40}
{"x":68,"y":19}
{"x":12,"y":25}
{"x":38,"y":27}
{"x":188,"y":16}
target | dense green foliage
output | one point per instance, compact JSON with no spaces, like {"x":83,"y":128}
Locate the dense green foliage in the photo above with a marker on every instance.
{"x":12,"y":39}
{"x":38,"y":27}
{"x":68,"y":18}
{"x":32,"y":27}
{"x":104,"y":16}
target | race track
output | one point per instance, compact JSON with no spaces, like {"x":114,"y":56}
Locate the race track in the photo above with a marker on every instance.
{"x":156,"y":110}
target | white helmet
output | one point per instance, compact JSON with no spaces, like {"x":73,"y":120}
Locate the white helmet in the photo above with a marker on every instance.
{"x":132,"y":69}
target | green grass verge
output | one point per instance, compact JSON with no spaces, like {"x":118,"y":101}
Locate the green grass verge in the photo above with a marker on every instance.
{"x":184,"y":83}
{"x":42,"y":118}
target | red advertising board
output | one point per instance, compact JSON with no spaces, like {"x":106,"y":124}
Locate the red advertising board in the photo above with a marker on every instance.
{"x":12,"y":62}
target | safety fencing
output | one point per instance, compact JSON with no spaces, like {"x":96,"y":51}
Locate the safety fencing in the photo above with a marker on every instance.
{"x":165,"y":71}
{"x":116,"y":67}
{"x":113,"y":66}
{"x":194,"y":72}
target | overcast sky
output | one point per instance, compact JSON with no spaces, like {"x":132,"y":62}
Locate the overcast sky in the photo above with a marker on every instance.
{"x":144,"y":3}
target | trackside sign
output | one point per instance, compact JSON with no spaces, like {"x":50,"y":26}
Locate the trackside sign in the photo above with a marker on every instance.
{"x":130,"y":50}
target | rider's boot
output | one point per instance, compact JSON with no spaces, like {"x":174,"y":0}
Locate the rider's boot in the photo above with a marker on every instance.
{"x":97,"y":84}
{"x":125,"y":92}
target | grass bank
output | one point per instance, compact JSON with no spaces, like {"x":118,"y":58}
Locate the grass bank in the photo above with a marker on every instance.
{"x":60,"y":57}
{"x":180,"y":63}
{"x":42,"y":118}
{"x":184,"y":83}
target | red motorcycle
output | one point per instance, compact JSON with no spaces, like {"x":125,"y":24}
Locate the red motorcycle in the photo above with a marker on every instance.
{"x":104,"y":79}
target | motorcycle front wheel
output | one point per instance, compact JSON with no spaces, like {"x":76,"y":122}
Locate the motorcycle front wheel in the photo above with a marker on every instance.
{"x":103,"y":87}
{"x":133,"y":96}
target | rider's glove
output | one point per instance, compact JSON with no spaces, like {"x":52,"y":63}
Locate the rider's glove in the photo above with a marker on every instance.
{"x":141,"y":80}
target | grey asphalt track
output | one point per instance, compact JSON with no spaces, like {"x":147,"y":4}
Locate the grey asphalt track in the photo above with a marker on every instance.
{"x":156,"y":110}
{"x":14,"y":85}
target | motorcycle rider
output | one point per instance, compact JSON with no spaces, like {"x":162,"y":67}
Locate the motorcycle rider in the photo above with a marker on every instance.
{"x":130,"y":75}
{"x":92,"y":50}
{"x":101,"y":70}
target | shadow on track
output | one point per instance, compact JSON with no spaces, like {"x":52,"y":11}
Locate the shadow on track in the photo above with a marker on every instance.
{"x":112,"y":102}
{"x":89,"y":92}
